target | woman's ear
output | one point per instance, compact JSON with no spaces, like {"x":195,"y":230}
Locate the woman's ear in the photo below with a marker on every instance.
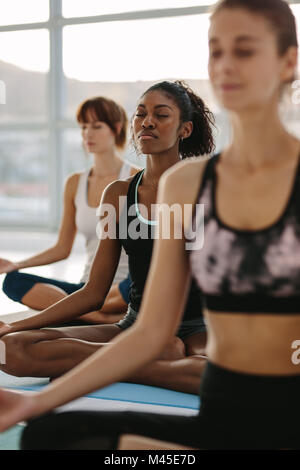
{"x":118,"y":127}
{"x":186,"y":129}
{"x":290,"y":65}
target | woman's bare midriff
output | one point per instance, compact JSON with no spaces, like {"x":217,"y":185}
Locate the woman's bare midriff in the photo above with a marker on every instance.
{"x":259,"y":343}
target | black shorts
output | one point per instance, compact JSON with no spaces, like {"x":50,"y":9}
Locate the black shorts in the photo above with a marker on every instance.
{"x":187,"y":328}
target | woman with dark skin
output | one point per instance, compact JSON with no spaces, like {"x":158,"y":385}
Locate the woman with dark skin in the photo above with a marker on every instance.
{"x":170,"y":120}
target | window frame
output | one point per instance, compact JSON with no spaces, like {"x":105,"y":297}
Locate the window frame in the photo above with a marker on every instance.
{"x":55,"y":122}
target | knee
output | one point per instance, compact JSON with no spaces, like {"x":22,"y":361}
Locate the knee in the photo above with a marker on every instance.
{"x":195,"y":345}
{"x":194,"y":350}
{"x":10,"y":284}
{"x":178,"y":345}
{"x":175,"y":350}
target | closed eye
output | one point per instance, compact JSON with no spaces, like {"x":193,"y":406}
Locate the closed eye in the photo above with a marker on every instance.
{"x":215,"y":54}
{"x":244,"y":53}
{"x":238,"y":52}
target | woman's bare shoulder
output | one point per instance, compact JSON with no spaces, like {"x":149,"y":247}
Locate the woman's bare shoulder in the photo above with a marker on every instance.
{"x":181,"y":182}
{"x":115,"y":190}
{"x":71,"y":184}
{"x":73,"y":178}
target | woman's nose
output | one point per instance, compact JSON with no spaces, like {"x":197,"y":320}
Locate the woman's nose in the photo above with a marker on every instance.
{"x":148,"y":122}
{"x":226,"y":64}
{"x":88,"y":131}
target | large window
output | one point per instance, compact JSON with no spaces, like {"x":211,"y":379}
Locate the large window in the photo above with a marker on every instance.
{"x":24,"y":69}
{"x":128,"y":51}
{"x":24,"y":137}
{"x":24,"y":172}
{"x":15,"y":12}
{"x":56,"y":53}
{"x":76,"y":8}
{"x":123,"y":67}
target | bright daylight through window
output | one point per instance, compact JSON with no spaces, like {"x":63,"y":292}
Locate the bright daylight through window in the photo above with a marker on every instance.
{"x":56,"y":53}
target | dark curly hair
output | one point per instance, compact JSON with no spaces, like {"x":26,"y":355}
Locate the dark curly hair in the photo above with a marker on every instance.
{"x":192,"y":108}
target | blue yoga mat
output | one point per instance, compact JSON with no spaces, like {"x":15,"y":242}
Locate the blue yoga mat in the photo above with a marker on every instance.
{"x":136,"y":393}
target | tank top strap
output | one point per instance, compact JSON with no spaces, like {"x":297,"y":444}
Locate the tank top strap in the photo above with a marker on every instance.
{"x":208,"y":174}
{"x":81,"y":196}
{"x":125,"y":171}
{"x":295,"y":196}
{"x":81,"y":192}
{"x":132,"y":188}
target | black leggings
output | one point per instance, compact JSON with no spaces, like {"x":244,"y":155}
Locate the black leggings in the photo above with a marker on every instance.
{"x":90,"y":430}
{"x":16,"y":285}
{"x":238,"y":411}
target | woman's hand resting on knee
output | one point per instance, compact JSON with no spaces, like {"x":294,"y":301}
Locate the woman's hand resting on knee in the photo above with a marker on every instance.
{"x":7,"y":266}
{"x":5,"y":328}
{"x":16,"y":407}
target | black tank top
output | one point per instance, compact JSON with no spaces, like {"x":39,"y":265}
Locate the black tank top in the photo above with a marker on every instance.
{"x":136,"y":236}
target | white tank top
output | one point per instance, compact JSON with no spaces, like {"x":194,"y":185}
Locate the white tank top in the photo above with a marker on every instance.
{"x":86,"y":223}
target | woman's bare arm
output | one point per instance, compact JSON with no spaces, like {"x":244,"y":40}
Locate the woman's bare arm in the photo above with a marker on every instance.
{"x":162,"y":306}
{"x":135,"y":442}
{"x":67,"y":231}
{"x":92,"y":295}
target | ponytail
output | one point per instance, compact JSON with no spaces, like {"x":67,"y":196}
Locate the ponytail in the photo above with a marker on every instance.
{"x":201,"y":140}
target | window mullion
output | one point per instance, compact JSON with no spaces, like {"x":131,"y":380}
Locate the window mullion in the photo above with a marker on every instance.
{"x":55,"y":110}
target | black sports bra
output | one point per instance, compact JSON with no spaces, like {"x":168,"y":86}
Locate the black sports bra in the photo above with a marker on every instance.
{"x":136,"y":235}
{"x":248,"y":271}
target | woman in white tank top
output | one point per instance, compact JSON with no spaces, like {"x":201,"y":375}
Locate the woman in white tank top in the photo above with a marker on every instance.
{"x":104,"y":127}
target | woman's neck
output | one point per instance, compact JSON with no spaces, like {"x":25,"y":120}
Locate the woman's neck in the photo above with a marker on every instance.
{"x":106,"y":163}
{"x":157,"y":164}
{"x":259,"y":138}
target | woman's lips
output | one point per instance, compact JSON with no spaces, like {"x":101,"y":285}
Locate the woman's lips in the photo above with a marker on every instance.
{"x":230,"y":87}
{"x":147,"y":137}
